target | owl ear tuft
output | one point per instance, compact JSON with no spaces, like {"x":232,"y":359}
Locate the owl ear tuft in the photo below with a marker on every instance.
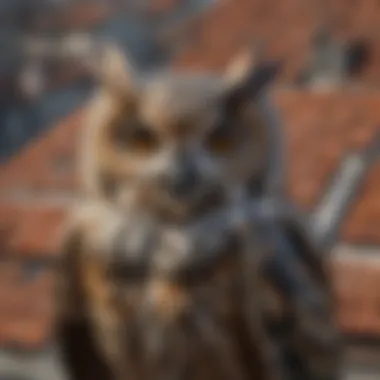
{"x":112,"y":67}
{"x":246,"y":76}
{"x":240,"y":66}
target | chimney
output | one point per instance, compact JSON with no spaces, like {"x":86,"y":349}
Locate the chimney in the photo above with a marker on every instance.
{"x":328,"y":62}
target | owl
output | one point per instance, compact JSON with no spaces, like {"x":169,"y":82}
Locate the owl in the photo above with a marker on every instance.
{"x":175,"y":266}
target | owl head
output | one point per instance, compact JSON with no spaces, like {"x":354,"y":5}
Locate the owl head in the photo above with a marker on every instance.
{"x":177,"y":144}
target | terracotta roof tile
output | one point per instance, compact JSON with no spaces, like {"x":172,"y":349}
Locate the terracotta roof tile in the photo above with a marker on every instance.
{"x":31,"y":229}
{"x":286,"y":27}
{"x":362,"y":225}
{"x":320,"y":129}
{"x":26,"y":305}
{"x":47,"y":163}
{"x":356,"y":286}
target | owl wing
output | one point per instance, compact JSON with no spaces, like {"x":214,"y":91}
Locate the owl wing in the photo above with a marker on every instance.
{"x":305,"y":329}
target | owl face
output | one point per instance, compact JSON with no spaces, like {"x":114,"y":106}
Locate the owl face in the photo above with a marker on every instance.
{"x":172,"y":144}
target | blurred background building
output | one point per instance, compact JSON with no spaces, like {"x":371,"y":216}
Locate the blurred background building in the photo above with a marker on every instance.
{"x":328,"y":95}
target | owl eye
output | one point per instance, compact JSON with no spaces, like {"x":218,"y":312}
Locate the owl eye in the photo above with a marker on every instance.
{"x":143,"y":139}
{"x":137,"y":138}
{"x":221,"y":140}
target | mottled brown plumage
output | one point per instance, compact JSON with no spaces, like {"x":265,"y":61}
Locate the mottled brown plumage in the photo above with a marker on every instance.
{"x":175,"y":268}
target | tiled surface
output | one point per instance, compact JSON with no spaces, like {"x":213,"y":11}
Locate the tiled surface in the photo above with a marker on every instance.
{"x":46,"y":163}
{"x":320,"y":129}
{"x":356,"y":285}
{"x":286,"y":27}
{"x":362,"y":225}
{"x":30,"y":229}
{"x":26,"y":304}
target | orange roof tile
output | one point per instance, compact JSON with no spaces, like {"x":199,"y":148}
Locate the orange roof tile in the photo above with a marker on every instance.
{"x":320,"y":129}
{"x":362,"y":225}
{"x":26,"y":305}
{"x":356,"y":287}
{"x":286,"y":27}
{"x":47,"y":163}
{"x":31,"y":229}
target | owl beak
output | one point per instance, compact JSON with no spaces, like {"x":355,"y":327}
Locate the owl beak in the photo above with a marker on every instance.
{"x":183,"y":184}
{"x":183,"y":180}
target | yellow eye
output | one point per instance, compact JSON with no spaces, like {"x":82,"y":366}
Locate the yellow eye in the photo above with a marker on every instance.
{"x":221,"y":140}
